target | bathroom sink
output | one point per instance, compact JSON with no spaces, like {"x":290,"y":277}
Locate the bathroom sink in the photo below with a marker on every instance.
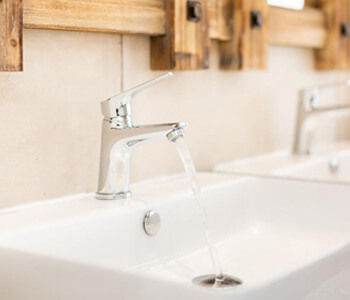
{"x":329,"y":163}
{"x":283,"y":239}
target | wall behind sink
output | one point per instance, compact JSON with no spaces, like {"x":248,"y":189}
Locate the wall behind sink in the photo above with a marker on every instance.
{"x":50,"y":115}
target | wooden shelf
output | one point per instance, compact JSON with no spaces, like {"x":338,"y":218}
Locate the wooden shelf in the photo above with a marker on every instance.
{"x":186,"y":43}
{"x":11,"y":32}
{"x":306,"y":28}
{"x":181,"y":44}
{"x":130,"y":17}
{"x":220,"y":19}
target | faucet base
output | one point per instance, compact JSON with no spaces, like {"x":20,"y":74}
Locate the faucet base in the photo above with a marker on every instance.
{"x":113,"y":196}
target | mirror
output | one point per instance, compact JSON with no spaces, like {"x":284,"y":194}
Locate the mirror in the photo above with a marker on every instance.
{"x":291,"y":4}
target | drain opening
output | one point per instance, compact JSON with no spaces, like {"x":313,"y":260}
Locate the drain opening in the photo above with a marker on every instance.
{"x":212,"y":281}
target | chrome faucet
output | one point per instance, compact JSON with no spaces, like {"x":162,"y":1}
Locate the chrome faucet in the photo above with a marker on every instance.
{"x":120,"y":136}
{"x":308,"y":107}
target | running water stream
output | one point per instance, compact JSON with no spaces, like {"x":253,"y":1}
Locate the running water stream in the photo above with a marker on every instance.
{"x":191,"y":172}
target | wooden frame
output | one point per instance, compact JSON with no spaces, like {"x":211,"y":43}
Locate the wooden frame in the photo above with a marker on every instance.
{"x":335,"y":54}
{"x":306,"y":28}
{"x":186,"y":43}
{"x":247,"y":48}
{"x":220,"y":19}
{"x":130,"y":17}
{"x":315,"y":27}
{"x":11,"y":31}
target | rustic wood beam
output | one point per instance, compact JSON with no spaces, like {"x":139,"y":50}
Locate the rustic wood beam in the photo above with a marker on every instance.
{"x":306,"y":28}
{"x":335,"y":55}
{"x":11,"y":31}
{"x":120,"y":16}
{"x":182,"y":44}
{"x":247,"y":49}
{"x":312,"y":3}
{"x":220,"y":19}
{"x":186,"y":43}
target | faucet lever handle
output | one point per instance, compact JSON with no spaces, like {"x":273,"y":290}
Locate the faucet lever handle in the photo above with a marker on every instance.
{"x":119,"y":105}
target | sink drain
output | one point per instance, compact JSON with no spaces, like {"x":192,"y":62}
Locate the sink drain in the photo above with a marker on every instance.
{"x":212,"y":281}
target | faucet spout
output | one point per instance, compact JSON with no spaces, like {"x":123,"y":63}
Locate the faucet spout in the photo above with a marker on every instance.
{"x":116,"y":148}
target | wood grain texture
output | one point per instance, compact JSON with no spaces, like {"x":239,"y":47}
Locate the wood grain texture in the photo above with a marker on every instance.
{"x":306,"y":28}
{"x":220,"y":19}
{"x":336,"y":53}
{"x":186,"y":43}
{"x":248,"y":46}
{"x":120,"y":16}
{"x":312,"y":3}
{"x":11,"y":31}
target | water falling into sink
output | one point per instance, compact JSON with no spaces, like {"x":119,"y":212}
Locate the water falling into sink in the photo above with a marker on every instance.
{"x":218,"y":279}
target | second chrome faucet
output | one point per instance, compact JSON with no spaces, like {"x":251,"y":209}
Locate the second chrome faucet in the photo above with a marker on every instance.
{"x":308,"y":107}
{"x":120,"y":136}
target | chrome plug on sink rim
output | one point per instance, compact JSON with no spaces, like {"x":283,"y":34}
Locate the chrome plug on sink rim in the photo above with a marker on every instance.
{"x":151,"y":223}
{"x":333,"y":164}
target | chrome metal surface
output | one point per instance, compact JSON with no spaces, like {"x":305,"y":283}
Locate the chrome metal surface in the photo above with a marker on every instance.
{"x":333,"y":164}
{"x":120,"y":136}
{"x":119,"y":107}
{"x":308,"y":108}
{"x":151,"y":223}
{"x":117,"y":196}
{"x":221,"y":281}
{"x":176,"y":133}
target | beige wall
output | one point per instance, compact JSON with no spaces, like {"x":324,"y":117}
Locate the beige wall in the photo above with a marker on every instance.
{"x":50,"y":115}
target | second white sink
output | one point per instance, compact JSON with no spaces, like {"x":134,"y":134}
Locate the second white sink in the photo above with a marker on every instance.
{"x":328,"y":164}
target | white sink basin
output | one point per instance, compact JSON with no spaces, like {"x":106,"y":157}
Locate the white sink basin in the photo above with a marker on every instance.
{"x":330,"y":164}
{"x":285,"y":240}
